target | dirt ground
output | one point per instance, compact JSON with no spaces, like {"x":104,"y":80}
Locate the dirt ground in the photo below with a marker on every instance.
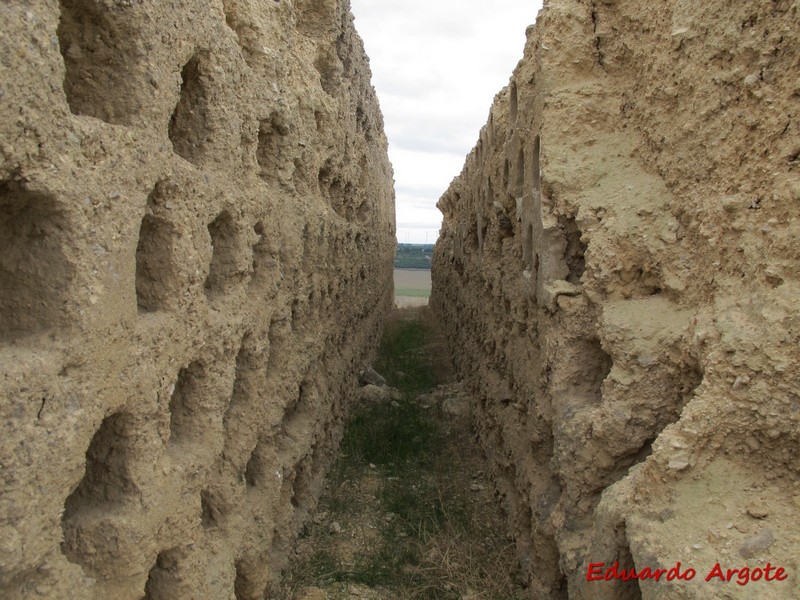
{"x":407,"y":511}
{"x":412,"y":287}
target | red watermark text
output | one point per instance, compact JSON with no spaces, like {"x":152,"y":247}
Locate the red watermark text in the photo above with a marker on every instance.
{"x":741,"y":575}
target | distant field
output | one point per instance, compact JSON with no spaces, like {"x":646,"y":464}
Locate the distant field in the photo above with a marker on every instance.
{"x":412,"y":292}
{"x":412,"y":287}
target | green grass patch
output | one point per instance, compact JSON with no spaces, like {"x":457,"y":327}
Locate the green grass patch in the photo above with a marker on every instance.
{"x":398,"y":472}
{"x":404,"y":357}
{"x":412,"y":293}
{"x":388,"y":436}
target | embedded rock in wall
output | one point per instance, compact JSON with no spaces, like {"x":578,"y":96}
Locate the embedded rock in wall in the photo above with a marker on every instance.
{"x":618,"y":269}
{"x":196,"y":242}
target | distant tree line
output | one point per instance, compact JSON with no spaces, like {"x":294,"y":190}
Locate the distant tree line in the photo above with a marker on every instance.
{"x":413,"y":256}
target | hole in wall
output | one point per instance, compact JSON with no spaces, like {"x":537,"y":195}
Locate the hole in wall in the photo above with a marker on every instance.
{"x":166,"y":581}
{"x":224,"y":249}
{"x":189,"y":125}
{"x":362,"y":123}
{"x":345,"y":51}
{"x":362,"y":212}
{"x":474,"y":242}
{"x":304,"y":485}
{"x":155,"y":268}
{"x":35,"y":273}
{"x":309,"y":247}
{"x":106,"y":483}
{"x":246,"y":32}
{"x":513,"y":100}
{"x":635,"y":457}
{"x":280,"y":548}
{"x":528,"y":250}
{"x":644,"y":451}
{"x":520,"y":169}
{"x":261,"y":467}
{"x":246,"y":586}
{"x":535,"y":167}
{"x":314,"y":17}
{"x":339,"y":192}
{"x":300,"y":313}
{"x":211,"y":513}
{"x":254,"y":472}
{"x":280,"y":340}
{"x":229,"y":9}
{"x":575,"y":250}
{"x":773,"y":280}
{"x":106,"y":479}
{"x":99,"y":58}
{"x":643,"y":280}
{"x":668,"y":411}
{"x":245,"y":385}
{"x":330,"y":70}
{"x":481,"y":229}
{"x":627,"y":590}
{"x":561,"y":587}
{"x":598,"y":364}
{"x":273,"y":146}
{"x":185,"y":406}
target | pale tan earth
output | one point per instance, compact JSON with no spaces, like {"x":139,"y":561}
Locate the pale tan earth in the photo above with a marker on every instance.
{"x":410,"y":301}
{"x":416,"y":279}
{"x":411,"y":279}
{"x":618,"y":276}
{"x":196,"y":244}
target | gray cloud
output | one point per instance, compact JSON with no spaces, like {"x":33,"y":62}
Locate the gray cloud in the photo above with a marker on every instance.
{"x":437,"y":67}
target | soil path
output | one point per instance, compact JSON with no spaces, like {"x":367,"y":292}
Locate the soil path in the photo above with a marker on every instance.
{"x":407,"y":510}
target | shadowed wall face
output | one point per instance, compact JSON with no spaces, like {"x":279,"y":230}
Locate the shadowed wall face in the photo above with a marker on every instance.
{"x":617,"y":276}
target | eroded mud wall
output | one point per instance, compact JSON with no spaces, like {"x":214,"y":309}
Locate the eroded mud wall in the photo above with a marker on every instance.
{"x":618,"y":277}
{"x":196,"y":241}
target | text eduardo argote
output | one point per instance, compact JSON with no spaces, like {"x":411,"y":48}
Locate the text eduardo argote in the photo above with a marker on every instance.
{"x":741,"y":575}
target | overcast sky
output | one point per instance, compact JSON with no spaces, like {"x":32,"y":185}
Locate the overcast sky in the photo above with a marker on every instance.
{"x":437,"y":65}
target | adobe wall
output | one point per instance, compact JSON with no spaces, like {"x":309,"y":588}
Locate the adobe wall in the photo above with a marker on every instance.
{"x":196,"y":242}
{"x":618,"y":277}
